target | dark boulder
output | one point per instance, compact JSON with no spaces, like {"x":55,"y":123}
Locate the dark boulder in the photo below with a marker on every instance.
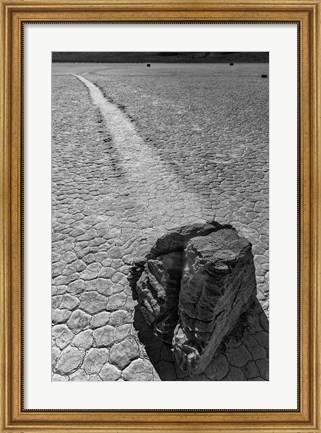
{"x":176,"y":239}
{"x":218,"y":285}
{"x":157,"y":291}
{"x":193,"y":287}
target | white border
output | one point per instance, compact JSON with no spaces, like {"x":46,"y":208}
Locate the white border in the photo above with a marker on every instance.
{"x":281,"y":391}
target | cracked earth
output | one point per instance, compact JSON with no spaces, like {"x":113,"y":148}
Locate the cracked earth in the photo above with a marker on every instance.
{"x":136,"y":152}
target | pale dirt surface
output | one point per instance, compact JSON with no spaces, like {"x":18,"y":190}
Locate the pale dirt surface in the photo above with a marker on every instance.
{"x":168,"y":145}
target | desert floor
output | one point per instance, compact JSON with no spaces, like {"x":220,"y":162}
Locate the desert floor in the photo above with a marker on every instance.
{"x":168,"y":145}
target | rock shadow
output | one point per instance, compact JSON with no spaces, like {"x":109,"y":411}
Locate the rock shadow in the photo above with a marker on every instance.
{"x":158,"y":352}
{"x":242,"y":356}
{"x":220,"y":331}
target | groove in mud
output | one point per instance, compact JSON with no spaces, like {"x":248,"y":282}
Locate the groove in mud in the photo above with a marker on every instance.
{"x":112,"y":152}
{"x":141,"y":163}
{"x":174,"y":166}
{"x":120,"y":106}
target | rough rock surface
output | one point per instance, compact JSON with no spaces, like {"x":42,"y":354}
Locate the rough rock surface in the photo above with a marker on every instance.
{"x":158,"y":290}
{"x":177,"y":238}
{"x":159,"y":278}
{"x":201,"y":284}
{"x":218,"y":285}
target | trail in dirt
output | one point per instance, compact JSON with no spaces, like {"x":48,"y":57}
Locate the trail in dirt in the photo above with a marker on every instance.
{"x":155,"y":184}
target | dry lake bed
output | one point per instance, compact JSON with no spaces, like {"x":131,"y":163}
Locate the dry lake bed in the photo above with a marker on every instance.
{"x":137,"y":151}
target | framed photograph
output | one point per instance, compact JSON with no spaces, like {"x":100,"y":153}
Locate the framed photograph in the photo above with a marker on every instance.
{"x":160,"y":208}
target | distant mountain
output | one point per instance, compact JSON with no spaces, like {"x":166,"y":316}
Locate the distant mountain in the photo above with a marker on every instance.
{"x":160,"y":57}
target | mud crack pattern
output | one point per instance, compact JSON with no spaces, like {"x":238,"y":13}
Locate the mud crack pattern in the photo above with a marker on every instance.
{"x":113,"y":193}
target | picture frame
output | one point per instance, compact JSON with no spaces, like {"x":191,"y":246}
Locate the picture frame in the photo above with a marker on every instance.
{"x":14,"y":15}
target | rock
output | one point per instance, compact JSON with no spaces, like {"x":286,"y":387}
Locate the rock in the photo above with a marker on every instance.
{"x":136,"y":271}
{"x":176,"y":239}
{"x":158,"y":290}
{"x":207,"y":271}
{"x":218,"y":285}
{"x":164,"y":328}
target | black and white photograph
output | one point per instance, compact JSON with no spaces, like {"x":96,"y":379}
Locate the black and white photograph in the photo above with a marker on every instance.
{"x":160,"y":216}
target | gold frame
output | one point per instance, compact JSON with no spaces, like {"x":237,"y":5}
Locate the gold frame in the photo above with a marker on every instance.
{"x":304,"y":12}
